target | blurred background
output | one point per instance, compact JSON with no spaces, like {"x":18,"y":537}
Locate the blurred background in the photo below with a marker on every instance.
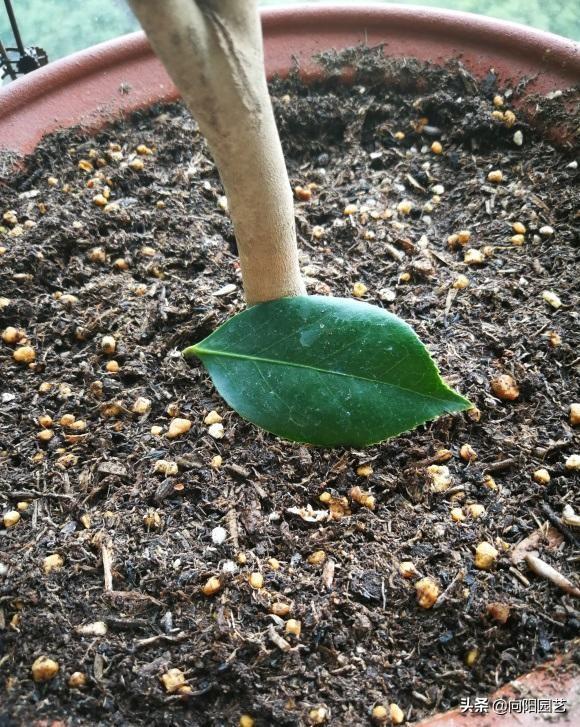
{"x":62,"y":27}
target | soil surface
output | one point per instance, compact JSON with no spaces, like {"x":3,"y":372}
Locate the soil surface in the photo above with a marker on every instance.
{"x":137,"y":543}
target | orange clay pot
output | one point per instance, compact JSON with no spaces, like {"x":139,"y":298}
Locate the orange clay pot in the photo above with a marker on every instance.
{"x":102,"y":83}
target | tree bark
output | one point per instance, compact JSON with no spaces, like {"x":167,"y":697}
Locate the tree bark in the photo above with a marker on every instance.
{"x":212,"y":50}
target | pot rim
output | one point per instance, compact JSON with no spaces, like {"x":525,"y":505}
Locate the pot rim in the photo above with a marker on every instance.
{"x":97,"y":84}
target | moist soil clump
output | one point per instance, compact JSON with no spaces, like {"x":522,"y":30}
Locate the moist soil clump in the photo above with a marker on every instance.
{"x":126,"y":234}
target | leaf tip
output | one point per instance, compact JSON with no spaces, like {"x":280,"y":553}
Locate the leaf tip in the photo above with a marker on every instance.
{"x":460,"y":403}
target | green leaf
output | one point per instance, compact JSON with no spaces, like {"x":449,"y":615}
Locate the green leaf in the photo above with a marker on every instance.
{"x":328,"y":371}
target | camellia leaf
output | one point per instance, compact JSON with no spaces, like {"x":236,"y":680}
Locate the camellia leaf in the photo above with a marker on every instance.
{"x":328,"y":371}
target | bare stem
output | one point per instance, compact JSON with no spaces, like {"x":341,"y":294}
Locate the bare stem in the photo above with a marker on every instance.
{"x":212,"y":50}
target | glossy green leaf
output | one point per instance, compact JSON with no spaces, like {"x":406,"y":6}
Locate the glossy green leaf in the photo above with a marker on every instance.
{"x":328,"y":371}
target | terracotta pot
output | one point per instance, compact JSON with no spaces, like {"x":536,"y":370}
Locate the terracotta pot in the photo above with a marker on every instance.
{"x":96,"y":85}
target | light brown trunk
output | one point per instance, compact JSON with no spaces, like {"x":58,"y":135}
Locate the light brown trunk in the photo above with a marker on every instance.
{"x":212,"y":50}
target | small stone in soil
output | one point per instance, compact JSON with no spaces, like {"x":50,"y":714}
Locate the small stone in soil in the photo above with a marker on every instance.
{"x":44,"y":669}
{"x":552,"y":299}
{"x":541,"y":476}
{"x":505,"y":387}
{"x":216,"y":431}
{"x":293,"y":627}
{"x":77,"y":680}
{"x":212,"y":418}
{"x":427,"y":592}
{"x":485,"y":556}
{"x":52,"y":562}
{"x":24,"y":355}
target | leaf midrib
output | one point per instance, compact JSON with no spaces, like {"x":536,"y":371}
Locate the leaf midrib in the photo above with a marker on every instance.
{"x":198,"y":350}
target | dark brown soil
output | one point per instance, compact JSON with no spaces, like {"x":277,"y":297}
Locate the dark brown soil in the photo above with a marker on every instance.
{"x":364,"y":639}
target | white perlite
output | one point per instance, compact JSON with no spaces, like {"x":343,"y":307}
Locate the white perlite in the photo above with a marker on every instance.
{"x":219,"y":535}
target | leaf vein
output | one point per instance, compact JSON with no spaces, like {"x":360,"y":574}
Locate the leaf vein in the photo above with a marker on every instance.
{"x":255,"y":359}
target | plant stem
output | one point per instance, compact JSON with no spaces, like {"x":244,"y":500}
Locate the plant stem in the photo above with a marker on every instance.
{"x":212,"y":50}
